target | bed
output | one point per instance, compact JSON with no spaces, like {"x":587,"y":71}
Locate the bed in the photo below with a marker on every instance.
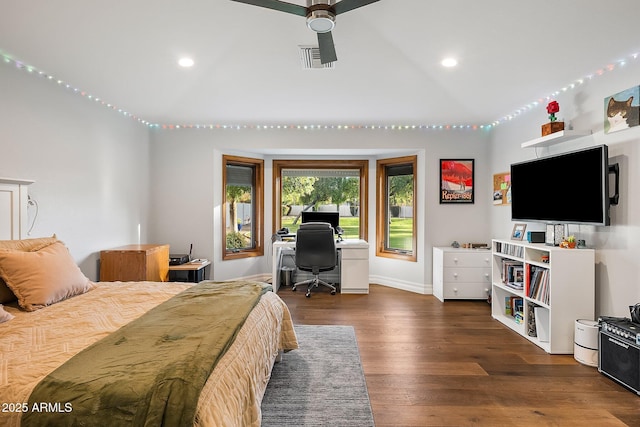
{"x":47,"y":327}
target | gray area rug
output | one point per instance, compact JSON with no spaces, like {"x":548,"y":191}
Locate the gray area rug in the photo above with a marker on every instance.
{"x":319,"y":384}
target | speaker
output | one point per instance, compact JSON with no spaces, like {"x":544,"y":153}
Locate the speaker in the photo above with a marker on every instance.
{"x":620,"y":360}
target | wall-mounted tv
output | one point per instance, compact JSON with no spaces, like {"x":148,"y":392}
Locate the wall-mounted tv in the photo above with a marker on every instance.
{"x":570,"y":188}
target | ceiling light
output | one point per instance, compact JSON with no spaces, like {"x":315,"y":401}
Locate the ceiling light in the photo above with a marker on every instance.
{"x":449,"y":62}
{"x":185,"y":62}
{"x":321,"y":21}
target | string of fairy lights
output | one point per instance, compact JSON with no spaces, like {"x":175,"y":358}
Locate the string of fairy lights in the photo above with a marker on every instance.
{"x":30,"y":69}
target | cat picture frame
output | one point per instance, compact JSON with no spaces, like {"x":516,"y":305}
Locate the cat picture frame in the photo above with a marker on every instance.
{"x":622,"y":110}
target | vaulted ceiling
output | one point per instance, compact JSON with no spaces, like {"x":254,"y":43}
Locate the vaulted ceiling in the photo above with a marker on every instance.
{"x":248,"y":69}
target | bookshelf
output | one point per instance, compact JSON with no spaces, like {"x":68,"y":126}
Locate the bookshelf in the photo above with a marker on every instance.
{"x":540,"y":291}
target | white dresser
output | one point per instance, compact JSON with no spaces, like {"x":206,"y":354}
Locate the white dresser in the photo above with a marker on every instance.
{"x":461,"y":273}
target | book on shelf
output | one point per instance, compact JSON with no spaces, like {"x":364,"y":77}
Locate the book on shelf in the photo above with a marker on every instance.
{"x":513,"y":274}
{"x":518,"y":305}
{"x":519,"y":318}
{"x":513,"y":306}
{"x":539,"y":284}
{"x":531,"y":320}
{"x":509,"y":249}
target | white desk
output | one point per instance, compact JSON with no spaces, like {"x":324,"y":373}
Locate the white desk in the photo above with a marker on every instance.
{"x":354,"y":271}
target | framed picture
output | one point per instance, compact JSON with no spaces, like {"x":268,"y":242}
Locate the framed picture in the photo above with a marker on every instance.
{"x":502,"y":189}
{"x":456,"y":180}
{"x":621,"y":110}
{"x":518,"y":231}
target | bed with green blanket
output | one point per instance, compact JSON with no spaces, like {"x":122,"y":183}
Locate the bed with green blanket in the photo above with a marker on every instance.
{"x":144,"y":353}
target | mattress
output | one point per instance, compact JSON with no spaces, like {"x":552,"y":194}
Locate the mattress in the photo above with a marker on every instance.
{"x":35,"y":343}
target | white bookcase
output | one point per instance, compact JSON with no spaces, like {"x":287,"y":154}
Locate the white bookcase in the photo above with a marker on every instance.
{"x":558,"y":288}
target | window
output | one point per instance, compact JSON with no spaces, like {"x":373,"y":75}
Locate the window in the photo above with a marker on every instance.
{"x":243,"y":214}
{"x":321,"y":185}
{"x":396,"y":208}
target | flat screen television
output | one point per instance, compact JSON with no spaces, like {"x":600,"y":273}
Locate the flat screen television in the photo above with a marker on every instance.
{"x":332,"y":218}
{"x":569,"y":188}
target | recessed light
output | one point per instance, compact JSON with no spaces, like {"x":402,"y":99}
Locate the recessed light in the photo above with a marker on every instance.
{"x":185,"y":62}
{"x":449,"y":62}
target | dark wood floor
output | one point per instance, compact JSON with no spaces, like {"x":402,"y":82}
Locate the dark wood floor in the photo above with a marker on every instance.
{"x":450,"y":364}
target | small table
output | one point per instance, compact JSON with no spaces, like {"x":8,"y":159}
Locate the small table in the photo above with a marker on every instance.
{"x":195,"y":271}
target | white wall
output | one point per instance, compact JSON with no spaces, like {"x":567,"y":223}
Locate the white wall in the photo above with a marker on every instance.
{"x":90,"y":165}
{"x":100,"y":175}
{"x":617,"y":246}
{"x":187,"y":194}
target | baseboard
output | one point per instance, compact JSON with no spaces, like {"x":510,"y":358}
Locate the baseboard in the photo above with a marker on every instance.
{"x":418,"y":288}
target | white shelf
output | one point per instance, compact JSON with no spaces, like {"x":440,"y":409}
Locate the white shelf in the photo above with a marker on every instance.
{"x":570,"y":287}
{"x":555,"y":138}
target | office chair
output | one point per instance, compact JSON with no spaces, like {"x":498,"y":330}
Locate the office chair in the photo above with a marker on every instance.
{"x":315,"y":252}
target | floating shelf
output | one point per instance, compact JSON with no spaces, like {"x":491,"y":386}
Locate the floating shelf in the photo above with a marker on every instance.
{"x":555,"y":138}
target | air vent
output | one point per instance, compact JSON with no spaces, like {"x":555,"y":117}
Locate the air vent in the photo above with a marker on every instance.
{"x":310,"y":58}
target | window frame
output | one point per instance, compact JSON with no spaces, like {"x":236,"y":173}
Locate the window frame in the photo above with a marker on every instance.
{"x":382,"y":198}
{"x":361,"y":165}
{"x":258,"y":207}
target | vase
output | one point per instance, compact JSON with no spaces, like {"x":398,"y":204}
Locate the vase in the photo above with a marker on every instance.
{"x":551,"y":127}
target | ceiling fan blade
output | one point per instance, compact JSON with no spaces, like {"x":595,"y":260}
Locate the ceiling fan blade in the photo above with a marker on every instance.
{"x":277,"y":5}
{"x":347,"y":5}
{"x":327,"y":49}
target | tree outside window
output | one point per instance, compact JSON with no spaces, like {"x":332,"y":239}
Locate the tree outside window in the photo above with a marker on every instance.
{"x":243,"y":210}
{"x":321,"y":185}
{"x":396,"y":208}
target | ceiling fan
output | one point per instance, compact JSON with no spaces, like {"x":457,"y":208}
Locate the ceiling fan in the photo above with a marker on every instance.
{"x":321,"y":18}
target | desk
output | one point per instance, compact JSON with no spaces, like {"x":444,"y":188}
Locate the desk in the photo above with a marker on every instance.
{"x":354,"y":268}
{"x":195,"y":272}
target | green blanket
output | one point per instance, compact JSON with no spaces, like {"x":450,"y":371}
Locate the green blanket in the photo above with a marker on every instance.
{"x":149,"y":372}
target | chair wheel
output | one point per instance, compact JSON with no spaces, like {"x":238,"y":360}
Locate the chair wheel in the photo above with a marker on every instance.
{"x":333,"y":292}
{"x":308,"y":295}
{"x":293,"y":289}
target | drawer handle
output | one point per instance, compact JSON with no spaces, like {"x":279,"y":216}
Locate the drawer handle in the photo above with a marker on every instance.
{"x":455,"y":260}
{"x":455,"y":274}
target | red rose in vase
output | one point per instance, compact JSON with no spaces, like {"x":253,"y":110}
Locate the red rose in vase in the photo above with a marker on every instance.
{"x":552,"y":109}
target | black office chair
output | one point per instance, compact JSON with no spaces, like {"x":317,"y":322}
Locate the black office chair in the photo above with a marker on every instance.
{"x":315,"y":252}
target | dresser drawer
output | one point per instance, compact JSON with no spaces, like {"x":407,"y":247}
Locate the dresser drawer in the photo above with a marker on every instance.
{"x":466,"y":275}
{"x":466,"y":290}
{"x":467,"y":259}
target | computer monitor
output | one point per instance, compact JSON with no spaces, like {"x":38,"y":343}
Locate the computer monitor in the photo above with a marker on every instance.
{"x":332,"y":218}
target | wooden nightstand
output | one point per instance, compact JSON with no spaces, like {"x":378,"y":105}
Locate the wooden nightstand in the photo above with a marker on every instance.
{"x":135,"y":263}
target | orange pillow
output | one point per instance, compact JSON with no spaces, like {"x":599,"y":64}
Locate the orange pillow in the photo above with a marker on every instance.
{"x":28,"y":245}
{"x":43,"y":277}
{"x":21,"y":245}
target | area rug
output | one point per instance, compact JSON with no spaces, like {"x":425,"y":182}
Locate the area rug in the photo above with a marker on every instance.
{"x":319,"y":384}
